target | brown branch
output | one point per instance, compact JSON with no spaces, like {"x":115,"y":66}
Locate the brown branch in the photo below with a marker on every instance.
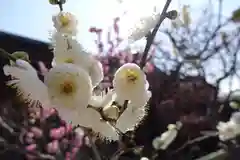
{"x":151,"y":36}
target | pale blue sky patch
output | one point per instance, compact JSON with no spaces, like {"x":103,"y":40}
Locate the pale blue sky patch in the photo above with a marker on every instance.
{"x":33,"y":18}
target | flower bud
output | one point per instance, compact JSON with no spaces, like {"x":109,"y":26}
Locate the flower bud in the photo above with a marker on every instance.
{"x":31,"y":147}
{"x":111,"y":112}
{"x":57,"y":133}
{"x":56,"y":2}
{"x":37,"y":132}
{"x":20,"y":55}
{"x":157,"y":143}
{"x":53,"y":147}
{"x":172,"y":14}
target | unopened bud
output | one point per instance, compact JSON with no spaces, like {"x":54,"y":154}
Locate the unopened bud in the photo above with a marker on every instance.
{"x":172,"y":14}
{"x":111,"y":112}
{"x":56,"y":2}
{"x":20,"y":55}
{"x":157,"y":143}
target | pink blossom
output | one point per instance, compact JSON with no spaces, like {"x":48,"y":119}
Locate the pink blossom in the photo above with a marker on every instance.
{"x":31,"y":147}
{"x":68,"y":128}
{"x":106,"y":69}
{"x":74,"y":151}
{"x":30,"y":134}
{"x":68,"y":156}
{"x":57,"y":133}
{"x":149,"y":67}
{"x":37,"y":132}
{"x":53,"y":147}
{"x":30,"y":157}
{"x":29,"y":140}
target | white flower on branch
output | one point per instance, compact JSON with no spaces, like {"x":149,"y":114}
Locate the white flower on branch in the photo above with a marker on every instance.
{"x":68,"y":50}
{"x":90,"y":117}
{"x":142,"y":27}
{"x":96,"y":72}
{"x":105,"y":102}
{"x":65,"y":23}
{"x":25,"y":79}
{"x":130,"y":84}
{"x":166,"y":138}
{"x":230,"y":129}
{"x":69,"y":86}
{"x":130,"y":117}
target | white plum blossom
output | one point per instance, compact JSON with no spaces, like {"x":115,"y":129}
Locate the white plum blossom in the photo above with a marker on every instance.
{"x":105,"y":102}
{"x":65,"y":23}
{"x":68,"y":50}
{"x":130,"y":84}
{"x":90,"y":117}
{"x":130,"y":117}
{"x":230,"y":129}
{"x":142,"y":27}
{"x":25,"y":79}
{"x":96,"y":72}
{"x":134,"y":112}
{"x":68,"y":86}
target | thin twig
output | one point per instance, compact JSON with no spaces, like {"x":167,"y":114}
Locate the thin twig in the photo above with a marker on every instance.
{"x":7,"y":55}
{"x":94,"y":148}
{"x":198,"y":139}
{"x":151,"y":36}
{"x":6,"y":126}
{"x":60,"y":5}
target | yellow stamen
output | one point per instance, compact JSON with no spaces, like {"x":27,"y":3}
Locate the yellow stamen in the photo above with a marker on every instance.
{"x":64,"y":20}
{"x":67,"y":87}
{"x":131,"y":76}
{"x":69,"y":60}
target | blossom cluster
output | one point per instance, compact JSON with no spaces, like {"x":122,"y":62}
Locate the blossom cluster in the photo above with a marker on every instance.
{"x":52,"y":136}
{"x":69,"y":85}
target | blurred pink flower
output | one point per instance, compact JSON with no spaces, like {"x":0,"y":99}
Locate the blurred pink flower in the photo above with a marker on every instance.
{"x":106,"y":69}
{"x":45,"y":113}
{"x":68,"y":156}
{"x":53,"y":147}
{"x":74,"y":152}
{"x":37,"y":132}
{"x":69,"y":128}
{"x":57,"y":133}
{"x":30,"y":157}
{"x":29,"y":140}
{"x":31,"y":147}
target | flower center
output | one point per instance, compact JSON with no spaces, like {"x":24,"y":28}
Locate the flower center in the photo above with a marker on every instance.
{"x":64,"y":20}
{"x":131,"y":76}
{"x":69,"y":60}
{"x":67,"y":87}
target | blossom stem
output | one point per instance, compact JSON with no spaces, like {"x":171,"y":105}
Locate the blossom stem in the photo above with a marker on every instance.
{"x":151,"y":35}
{"x":94,"y":148}
{"x":60,"y":5}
